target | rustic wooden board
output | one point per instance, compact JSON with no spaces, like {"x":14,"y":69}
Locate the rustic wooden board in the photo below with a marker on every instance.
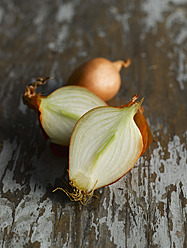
{"x":147,"y":207}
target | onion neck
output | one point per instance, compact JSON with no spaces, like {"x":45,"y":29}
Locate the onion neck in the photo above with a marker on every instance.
{"x":30,"y":98}
{"x":120,"y":63}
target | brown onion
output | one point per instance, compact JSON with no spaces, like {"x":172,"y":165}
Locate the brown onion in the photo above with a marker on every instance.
{"x":99,"y":75}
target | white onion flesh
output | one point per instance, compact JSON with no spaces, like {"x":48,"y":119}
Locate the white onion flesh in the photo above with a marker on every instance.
{"x":104,"y":146}
{"x":61,"y":110}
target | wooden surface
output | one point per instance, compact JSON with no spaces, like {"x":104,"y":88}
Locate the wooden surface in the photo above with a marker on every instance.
{"x":147,"y":207}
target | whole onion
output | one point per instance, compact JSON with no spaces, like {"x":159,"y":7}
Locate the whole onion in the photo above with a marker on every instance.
{"x":99,"y":75}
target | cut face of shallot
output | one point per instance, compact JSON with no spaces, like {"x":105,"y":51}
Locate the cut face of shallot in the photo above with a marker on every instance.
{"x":59,"y":112}
{"x":104,"y":146}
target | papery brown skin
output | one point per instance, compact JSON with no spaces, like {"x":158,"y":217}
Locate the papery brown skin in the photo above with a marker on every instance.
{"x":33,"y":100}
{"x":142,"y":125}
{"x":99,"y":75}
{"x":144,"y":129}
{"x":30,"y":98}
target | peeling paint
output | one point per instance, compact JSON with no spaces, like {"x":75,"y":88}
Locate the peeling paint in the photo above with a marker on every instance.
{"x":59,"y":43}
{"x":123,"y":18}
{"x":174,"y":172}
{"x":6,"y":209}
{"x":6,"y":155}
{"x":155,"y":11}
{"x":9,"y":183}
{"x":65,"y":12}
{"x":31,"y":218}
{"x":178,"y":39}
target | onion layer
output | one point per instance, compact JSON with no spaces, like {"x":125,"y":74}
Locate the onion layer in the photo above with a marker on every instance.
{"x":111,"y":143}
{"x":59,"y":112}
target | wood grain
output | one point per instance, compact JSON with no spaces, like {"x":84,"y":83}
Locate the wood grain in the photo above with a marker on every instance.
{"x":147,"y":207}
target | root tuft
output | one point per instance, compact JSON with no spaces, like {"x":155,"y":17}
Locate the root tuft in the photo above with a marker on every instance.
{"x":30,"y":96}
{"x":77,"y":194}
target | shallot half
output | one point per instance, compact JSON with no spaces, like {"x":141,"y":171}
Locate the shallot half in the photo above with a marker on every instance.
{"x":59,"y":111}
{"x":112,"y":139}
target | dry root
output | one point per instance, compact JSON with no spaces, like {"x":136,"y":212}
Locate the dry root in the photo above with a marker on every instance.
{"x":77,"y":194}
{"x":30,"y":91}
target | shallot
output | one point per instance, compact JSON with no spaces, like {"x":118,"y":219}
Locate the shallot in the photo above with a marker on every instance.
{"x":59,"y":111}
{"x":99,"y":75}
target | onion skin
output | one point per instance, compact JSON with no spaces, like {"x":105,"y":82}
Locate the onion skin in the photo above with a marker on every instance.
{"x":99,"y":75}
{"x":142,"y":125}
{"x":144,"y":129}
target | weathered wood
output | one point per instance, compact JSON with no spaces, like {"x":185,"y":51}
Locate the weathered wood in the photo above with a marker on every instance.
{"x":147,"y":207}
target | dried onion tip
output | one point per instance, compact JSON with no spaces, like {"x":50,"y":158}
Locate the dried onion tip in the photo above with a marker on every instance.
{"x":112,"y":139}
{"x":59,"y":111}
{"x":99,"y":75}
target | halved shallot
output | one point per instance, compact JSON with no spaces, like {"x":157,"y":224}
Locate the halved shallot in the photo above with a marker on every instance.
{"x":59,"y":111}
{"x":104,"y":146}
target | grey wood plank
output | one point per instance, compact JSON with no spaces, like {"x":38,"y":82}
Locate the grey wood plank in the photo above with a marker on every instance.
{"x":147,"y":207}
